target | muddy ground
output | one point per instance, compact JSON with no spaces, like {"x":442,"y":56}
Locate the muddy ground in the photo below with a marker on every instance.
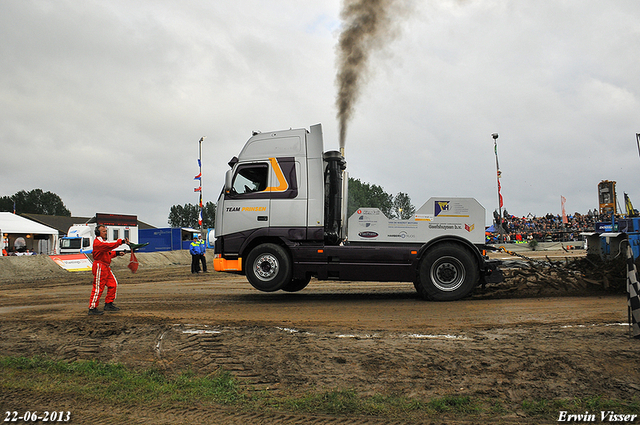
{"x":373,"y":338}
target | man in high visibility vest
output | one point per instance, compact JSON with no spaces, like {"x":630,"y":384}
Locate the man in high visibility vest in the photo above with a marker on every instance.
{"x":194,"y":250}
{"x":203,"y":251}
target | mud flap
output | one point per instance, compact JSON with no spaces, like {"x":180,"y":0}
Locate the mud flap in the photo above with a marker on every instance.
{"x":492,"y":274}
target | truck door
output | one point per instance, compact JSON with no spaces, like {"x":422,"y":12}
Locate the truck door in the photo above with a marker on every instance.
{"x":288,"y":196}
{"x":246,"y":205}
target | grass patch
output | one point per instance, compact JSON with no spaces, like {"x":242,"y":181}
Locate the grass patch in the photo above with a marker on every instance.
{"x":116,"y":384}
{"x":454,"y":404}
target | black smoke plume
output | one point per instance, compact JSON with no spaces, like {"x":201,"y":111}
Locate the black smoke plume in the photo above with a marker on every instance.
{"x":368,"y":25}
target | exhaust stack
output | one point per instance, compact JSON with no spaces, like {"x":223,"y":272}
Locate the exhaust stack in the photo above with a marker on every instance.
{"x":333,"y":188}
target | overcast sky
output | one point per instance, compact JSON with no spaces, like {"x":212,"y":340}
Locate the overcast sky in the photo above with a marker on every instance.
{"x":103,"y":103}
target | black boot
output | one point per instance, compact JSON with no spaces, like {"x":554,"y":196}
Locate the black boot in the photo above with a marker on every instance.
{"x":110,"y":307}
{"x":95,"y":312}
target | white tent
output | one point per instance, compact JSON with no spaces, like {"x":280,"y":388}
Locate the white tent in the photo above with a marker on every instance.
{"x":39,"y":238}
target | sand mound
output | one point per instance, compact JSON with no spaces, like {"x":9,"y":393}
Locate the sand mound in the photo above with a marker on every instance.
{"x":41,"y":267}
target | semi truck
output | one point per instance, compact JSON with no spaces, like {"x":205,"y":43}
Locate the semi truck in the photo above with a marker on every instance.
{"x":281,"y":220}
{"x":79,"y":238}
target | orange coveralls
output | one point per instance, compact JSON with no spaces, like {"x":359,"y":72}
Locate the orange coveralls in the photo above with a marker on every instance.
{"x":102,"y":274}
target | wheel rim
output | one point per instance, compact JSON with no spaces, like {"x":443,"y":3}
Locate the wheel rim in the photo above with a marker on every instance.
{"x":448,"y":274}
{"x":266,"y":267}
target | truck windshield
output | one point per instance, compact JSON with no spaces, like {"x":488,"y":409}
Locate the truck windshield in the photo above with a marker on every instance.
{"x":70,"y":243}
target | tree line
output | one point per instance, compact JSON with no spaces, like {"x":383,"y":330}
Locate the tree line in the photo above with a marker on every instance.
{"x":365,"y":195}
{"x":35,"y":201}
{"x":187,"y":216}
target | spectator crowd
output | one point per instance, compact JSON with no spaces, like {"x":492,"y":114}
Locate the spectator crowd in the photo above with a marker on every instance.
{"x":548,"y":228}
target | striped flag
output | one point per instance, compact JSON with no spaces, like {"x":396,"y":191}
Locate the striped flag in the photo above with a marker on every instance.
{"x":200,"y":218}
{"x":564,"y":213}
{"x":199,"y":176}
{"x":633,"y":294}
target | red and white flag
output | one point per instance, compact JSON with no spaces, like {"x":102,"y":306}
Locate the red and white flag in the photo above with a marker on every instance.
{"x":564,"y":213}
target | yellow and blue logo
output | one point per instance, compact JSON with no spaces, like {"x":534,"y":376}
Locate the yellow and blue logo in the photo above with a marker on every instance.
{"x":441,"y":206}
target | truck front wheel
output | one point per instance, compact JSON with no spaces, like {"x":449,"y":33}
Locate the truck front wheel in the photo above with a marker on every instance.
{"x":268,"y":267}
{"x":447,"y":272}
{"x":297,"y":284}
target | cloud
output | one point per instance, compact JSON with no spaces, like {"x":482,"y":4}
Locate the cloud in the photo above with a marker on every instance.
{"x":104,"y":103}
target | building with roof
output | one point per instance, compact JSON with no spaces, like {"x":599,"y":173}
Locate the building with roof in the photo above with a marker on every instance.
{"x":63,"y":223}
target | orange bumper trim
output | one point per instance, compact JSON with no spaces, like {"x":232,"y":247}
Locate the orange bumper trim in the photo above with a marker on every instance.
{"x":224,"y":265}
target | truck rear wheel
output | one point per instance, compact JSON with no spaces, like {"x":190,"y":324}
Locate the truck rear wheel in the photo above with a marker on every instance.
{"x":268,"y":267}
{"x":296,"y":284}
{"x":447,"y":272}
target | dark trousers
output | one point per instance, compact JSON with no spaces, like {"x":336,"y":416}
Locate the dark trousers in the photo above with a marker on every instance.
{"x":195,"y":265}
{"x":203,"y":260}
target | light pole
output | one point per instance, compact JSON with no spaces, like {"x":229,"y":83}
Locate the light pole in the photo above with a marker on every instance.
{"x":495,"y":150}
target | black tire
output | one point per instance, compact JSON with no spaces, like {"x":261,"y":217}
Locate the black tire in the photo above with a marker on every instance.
{"x":447,"y":272}
{"x":268,"y":267}
{"x":296,"y":284}
{"x":419,"y":289}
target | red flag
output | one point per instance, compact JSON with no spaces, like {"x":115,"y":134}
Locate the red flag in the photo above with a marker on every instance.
{"x":197,"y":189}
{"x":564,"y":214}
{"x":133,"y":263}
{"x":500,"y":194}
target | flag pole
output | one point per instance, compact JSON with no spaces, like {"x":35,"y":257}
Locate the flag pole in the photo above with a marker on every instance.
{"x":495,"y":149}
{"x":200,"y":174}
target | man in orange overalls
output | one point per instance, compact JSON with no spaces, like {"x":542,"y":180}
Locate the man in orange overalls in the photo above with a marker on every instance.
{"x":102,"y":275}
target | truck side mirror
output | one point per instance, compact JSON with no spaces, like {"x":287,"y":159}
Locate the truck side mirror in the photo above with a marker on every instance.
{"x":228,"y":180}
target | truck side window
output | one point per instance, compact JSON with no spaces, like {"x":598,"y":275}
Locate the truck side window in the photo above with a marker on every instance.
{"x":250,"y":178}
{"x":86,"y":242}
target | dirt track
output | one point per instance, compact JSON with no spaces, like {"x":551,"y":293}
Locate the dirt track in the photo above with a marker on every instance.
{"x":374,"y":338}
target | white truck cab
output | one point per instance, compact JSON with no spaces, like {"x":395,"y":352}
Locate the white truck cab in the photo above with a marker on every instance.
{"x":79,"y":239}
